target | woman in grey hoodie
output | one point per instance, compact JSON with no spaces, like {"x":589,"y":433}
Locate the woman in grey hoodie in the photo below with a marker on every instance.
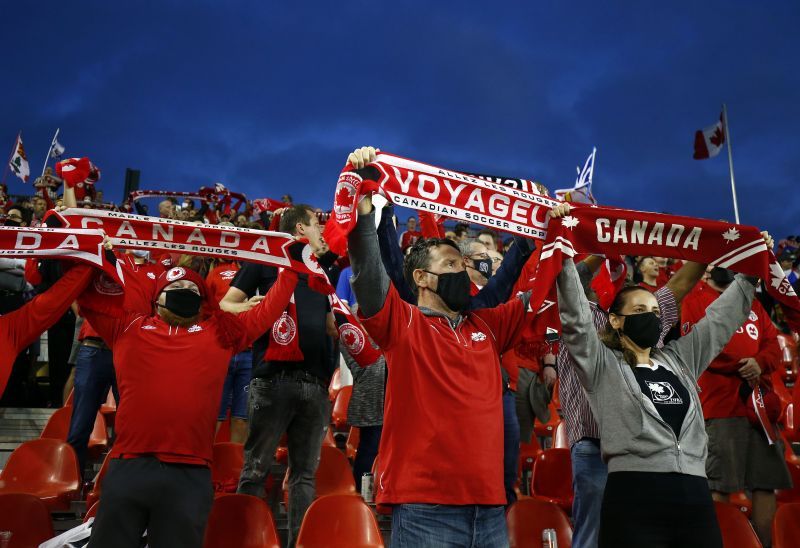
{"x":645,"y":399}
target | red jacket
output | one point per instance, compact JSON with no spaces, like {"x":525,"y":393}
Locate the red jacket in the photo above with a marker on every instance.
{"x":757,"y":338}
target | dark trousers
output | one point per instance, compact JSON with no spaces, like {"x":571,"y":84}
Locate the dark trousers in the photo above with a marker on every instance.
{"x":511,"y":438}
{"x":368,"y":442}
{"x":59,"y":345}
{"x":302,"y":410}
{"x":170,"y":501}
{"x":658,"y":510}
{"x":94,"y":375}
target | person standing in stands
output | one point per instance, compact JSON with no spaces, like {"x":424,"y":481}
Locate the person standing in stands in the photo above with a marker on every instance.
{"x":739,"y":456}
{"x":589,"y":472}
{"x":240,"y":368}
{"x":649,"y":270}
{"x":170,"y":364}
{"x":444,"y":379}
{"x":477,"y":261}
{"x":410,"y":236}
{"x":293,"y":364}
{"x":652,"y":432}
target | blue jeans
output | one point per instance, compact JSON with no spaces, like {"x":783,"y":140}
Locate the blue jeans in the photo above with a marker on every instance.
{"x":94,"y":375}
{"x":234,"y":392}
{"x":302,"y":410}
{"x":589,"y":474}
{"x":368,"y":442}
{"x":443,"y":526}
{"x":511,"y":437}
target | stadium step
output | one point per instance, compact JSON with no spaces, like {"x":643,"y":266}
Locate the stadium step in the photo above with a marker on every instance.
{"x":18,"y":425}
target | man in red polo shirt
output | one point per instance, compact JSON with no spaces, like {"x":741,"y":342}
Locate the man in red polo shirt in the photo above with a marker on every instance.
{"x":444,"y":386}
{"x":739,"y":456}
{"x":170,"y":365}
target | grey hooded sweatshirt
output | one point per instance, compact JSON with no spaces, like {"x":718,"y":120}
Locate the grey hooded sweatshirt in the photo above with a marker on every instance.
{"x":633,"y":437}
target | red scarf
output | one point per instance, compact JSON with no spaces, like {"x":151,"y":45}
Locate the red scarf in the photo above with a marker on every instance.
{"x":424,"y":187}
{"x":609,"y":280}
{"x":128,"y":231}
{"x":605,"y":230}
{"x":284,"y":344}
{"x":267,"y":204}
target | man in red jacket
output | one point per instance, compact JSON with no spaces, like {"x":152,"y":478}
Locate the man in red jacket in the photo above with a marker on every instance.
{"x":739,"y":456}
{"x":170,"y":365}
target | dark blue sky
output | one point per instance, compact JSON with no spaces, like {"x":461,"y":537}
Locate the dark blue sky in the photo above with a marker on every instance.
{"x":270,"y":97}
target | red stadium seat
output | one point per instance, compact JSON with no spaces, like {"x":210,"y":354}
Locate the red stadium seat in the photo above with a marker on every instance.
{"x":242,"y":521}
{"x":785,"y":496}
{"x":336,"y":385}
{"x":789,"y":364}
{"x":226,"y":466}
{"x":744,"y":504}
{"x":334,"y":475}
{"x":353,"y":438}
{"x":94,"y":494}
{"x":92,"y":512}
{"x":224,"y":433}
{"x":27,"y":518}
{"x":560,"y":440}
{"x":57,"y":428}
{"x":527,"y":518}
{"x":547,"y":429}
{"x":786,"y":526}
{"x":735,"y":527}
{"x":552,"y":478}
{"x":45,"y":468}
{"x":109,"y":409}
{"x":339,"y":521}
{"x":339,"y":413}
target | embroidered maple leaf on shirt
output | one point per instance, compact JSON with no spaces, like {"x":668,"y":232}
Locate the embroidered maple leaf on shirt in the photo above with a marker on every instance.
{"x":731,"y":235}
{"x":570,"y":222}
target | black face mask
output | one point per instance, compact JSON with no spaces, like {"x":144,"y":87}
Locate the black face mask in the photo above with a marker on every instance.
{"x":722,"y":276}
{"x":453,"y":288}
{"x":484,"y":266}
{"x":182,"y":302}
{"x":643,"y":329}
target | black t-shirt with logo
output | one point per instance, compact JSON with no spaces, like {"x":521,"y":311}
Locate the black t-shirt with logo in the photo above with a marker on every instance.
{"x":312,"y":310}
{"x":662,"y":387}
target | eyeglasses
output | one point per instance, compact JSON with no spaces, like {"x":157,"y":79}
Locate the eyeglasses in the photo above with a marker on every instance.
{"x":479,"y":256}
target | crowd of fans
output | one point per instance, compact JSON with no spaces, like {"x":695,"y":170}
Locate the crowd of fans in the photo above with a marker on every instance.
{"x":446,"y":422}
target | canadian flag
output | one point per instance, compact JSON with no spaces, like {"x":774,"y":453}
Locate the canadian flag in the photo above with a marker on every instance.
{"x":708,"y":142}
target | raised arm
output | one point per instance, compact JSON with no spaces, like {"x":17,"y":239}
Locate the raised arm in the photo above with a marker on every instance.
{"x":370,"y":281}
{"x":499,"y":287}
{"x":685,"y":279}
{"x":392,"y":255}
{"x":27,"y":323}
{"x":577,"y":329}
{"x":262,"y":316}
{"x":701,"y":345}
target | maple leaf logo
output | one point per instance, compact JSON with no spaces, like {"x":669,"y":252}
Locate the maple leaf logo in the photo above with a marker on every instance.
{"x":718,"y":137}
{"x":343,"y":197}
{"x":731,"y":235}
{"x":283,"y":328}
{"x":657,"y":388}
{"x":570,"y":222}
{"x":349,"y":339}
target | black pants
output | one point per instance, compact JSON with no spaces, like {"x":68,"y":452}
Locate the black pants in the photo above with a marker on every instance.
{"x":59,"y":346}
{"x":658,"y":510}
{"x":170,"y":501}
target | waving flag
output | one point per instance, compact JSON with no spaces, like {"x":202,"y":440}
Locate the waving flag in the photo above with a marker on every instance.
{"x":582,"y":191}
{"x":19,"y":161}
{"x":708,"y":142}
{"x":57,"y":150}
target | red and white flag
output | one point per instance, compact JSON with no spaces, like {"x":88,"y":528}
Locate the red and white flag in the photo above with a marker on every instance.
{"x":708,"y":142}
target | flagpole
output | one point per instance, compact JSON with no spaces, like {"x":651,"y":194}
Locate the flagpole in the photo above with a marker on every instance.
{"x":8,"y":163}
{"x":46,"y":158}
{"x":730,"y":160}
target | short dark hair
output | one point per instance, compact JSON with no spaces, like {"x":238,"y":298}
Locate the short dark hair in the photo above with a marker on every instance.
{"x":461,"y":228}
{"x":491,"y":233}
{"x":419,"y":257}
{"x":298,"y":213}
